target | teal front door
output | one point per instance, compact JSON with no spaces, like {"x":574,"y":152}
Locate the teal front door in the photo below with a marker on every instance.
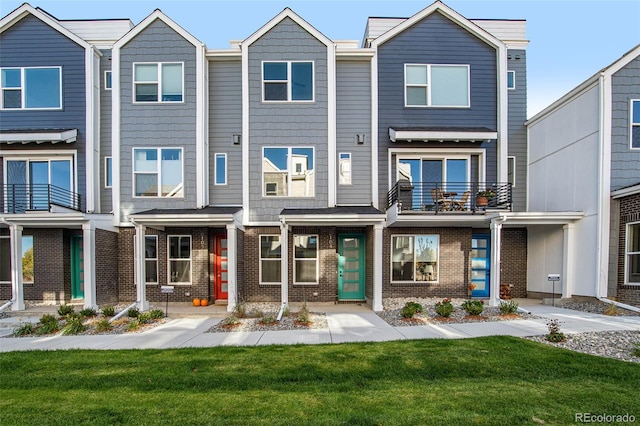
{"x":480,"y":265}
{"x":351,"y":255}
{"x":77,"y":267}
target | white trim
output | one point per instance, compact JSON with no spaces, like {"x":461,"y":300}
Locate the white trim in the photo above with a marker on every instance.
{"x":156,"y":259}
{"x":202,"y":127}
{"x":66,"y":136}
{"x":513,"y":79}
{"x":332,"y":190}
{"x":246,"y":135}
{"x":232,"y":262}
{"x":377,"y":267}
{"x":169,"y":259}
{"x":503,"y":113}
{"x":158,"y":82}
{"x":625,"y":192}
{"x":215,"y":172}
{"x":105,"y":79}
{"x":628,"y":253}
{"x":92,"y":140}
{"x":115,"y":133}
{"x":375,"y":197}
{"x":158,"y":172}
{"x":286,"y":13}
{"x":633,"y":124}
{"x":414,"y":281}
{"x":601,"y":263}
{"x":274,"y":259}
{"x":426,"y":135}
{"x":429,"y":85}
{"x":156,"y":14}
{"x":106,"y":170}
{"x":23,"y":87}
{"x":317,"y":259}
{"x":288,"y":82}
{"x":89,"y":264}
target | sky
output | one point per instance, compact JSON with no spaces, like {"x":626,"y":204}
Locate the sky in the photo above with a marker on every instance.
{"x":570,"y":40}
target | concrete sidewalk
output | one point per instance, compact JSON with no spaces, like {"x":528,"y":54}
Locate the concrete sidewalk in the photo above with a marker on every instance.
{"x":345,"y":324}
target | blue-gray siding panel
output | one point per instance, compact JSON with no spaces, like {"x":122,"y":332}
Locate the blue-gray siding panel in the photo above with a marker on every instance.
{"x":225,"y":120}
{"x":625,"y":162}
{"x":161,"y":124}
{"x":31,"y":42}
{"x":287,"y":124}
{"x":517,"y":130}
{"x":353,"y":93}
{"x":435,"y":40}
{"x":106,"y":204}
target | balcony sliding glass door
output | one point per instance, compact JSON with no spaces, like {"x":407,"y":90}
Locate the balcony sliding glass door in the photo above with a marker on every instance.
{"x":34,"y":184}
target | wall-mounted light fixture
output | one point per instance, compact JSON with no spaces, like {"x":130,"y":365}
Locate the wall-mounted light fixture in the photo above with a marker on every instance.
{"x":237,"y":138}
{"x":360,"y":138}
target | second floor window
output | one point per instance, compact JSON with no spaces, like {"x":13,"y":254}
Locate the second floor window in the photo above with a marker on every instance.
{"x":635,"y":124}
{"x":287,"y":81}
{"x":158,"y":82}
{"x":157,"y":172}
{"x":288,"y":172}
{"x":437,"y":86}
{"x":31,"y":88}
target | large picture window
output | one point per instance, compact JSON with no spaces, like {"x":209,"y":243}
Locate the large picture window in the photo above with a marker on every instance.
{"x":414,"y":258}
{"x":27,"y":259}
{"x":635,"y":124}
{"x":287,"y":81}
{"x":270,"y":259}
{"x":179,"y":259}
{"x":305,"y":268}
{"x":288,"y":172}
{"x":158,"y":82}
{"x":31,"y":88}
{"x":158,"y":172}
{"x":436,"y":85}
{"x":632,"y":258}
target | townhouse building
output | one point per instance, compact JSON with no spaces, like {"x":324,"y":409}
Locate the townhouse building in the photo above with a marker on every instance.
{"x":287,"y":167}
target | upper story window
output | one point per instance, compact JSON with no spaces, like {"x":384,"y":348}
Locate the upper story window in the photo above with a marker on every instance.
{"x":511,"y":80}
{"x":288,"y":172}
{"x":31,"y":88}
{"x":287,"y":81}
{"x":157,"y":172}
{"x":437,"y":86}
{"x":107,"y":80}
{"x":635,"y":124}
{"x":158,"y":82}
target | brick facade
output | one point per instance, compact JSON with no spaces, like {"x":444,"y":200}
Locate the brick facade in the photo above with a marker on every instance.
{"x":629,"y":213}
{"x":513,"y":261}
{"x":106,"y":267}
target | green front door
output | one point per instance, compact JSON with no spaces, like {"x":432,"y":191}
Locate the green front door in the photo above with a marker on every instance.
{"x":351,"y":255}
{"x":77,"y":267}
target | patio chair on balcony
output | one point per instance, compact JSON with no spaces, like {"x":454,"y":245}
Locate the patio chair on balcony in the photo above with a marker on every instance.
{"x":461,"y":204}
{"x":441,"y":202}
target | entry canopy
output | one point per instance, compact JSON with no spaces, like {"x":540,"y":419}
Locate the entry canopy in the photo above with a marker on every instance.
{"x":441,"y":134}
{"x":25,"y":136}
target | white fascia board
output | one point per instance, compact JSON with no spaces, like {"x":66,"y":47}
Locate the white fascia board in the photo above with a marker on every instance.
{"x":92,"y":135}
{"x":538,"y":218}
{"x":115,"y":134}
{"x":176,"y":219}
{"x":333,"y":220}
{"x":420,"y":135}
{"x":354,"y":54}
{"x":374,"y":131}
{"x":53,"y":136}
{"x":286,"y":13}
{"x":332,"y":126}
{"x":569,"y":97}
{"x":503,"y":114}
{"x":625,"y":192}
{"x":623,"y":61}
{"x":604,"y":186}
{"x":202,"y":154}
{"x":157,"y":14}
{"x":246,"y":139}
{"x":222,"y":54}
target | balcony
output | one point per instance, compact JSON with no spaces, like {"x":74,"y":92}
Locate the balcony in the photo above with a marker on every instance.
{"x":449,"y":197}
{"x":22,"y":198}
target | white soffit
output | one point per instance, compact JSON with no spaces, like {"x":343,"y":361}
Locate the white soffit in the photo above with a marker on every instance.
{"x":39,"y":136}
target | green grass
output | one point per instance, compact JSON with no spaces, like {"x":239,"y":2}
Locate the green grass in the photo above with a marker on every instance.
{"x":494,"y":381}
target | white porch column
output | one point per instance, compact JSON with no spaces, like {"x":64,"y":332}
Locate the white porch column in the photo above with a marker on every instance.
{"x":494,"y":279}
{"x":17,"y":288}
{"x":284,"y":269}
{"x":89,"y":264}
{"x":567,"y":261}
{"x":377,"y":267}
{"x":232,"y":262}
{"x":141,"y":289}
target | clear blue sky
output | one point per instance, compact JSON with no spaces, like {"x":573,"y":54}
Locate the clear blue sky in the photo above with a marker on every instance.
{"x":570,"y":40}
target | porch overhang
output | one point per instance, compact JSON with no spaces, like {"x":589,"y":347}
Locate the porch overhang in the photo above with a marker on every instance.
{"x":333,"y":216}
{"x":71,"y":220}
{"x":441,"y":134}
{"x":38,"y":136}
{"x":206,"y":217}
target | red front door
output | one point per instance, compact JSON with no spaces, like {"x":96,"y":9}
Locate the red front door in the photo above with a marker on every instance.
{"x":220,"y":282}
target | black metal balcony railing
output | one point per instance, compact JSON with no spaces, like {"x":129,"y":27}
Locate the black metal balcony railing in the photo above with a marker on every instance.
{"x":450,"y":197}
{"x":19,"y":198}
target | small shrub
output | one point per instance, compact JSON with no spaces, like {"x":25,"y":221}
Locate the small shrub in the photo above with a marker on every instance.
{"x":133,"y":313}
{"x":47,"y":318}
{"x":133,"y":325}
{"x":144,"y":318}
{"x":232,"y":320}
{"x":88,"y":312}
{"x":611,"y":310}
{"x":508,"y":307}
{"x":156,"y":314}
{"x":103,"y":325}
{"x":72,"y":316}
{"x":444,"y":308}
{"x":410,"y":309}
{"x":109,"y":311}
{"x":49,"y":325}
{"x":24,"y":329}
{"x":64,"y":310}
{"x":74,"y":326}
{"x":473,"y":307}
{"x":303,"y":317}
{"x":286,"y":312}
{"x":240,"y":310}
{"x":268,"y":319}
{"x":636,"y":350}
{"x":555,"y":335}
{"x":255,"y":313}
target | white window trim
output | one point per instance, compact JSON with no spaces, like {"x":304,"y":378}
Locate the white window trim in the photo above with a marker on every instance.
{"x":106,"y":170}
{"x":169,"y":259}
{"x":512,"y":158}
{"x":513,"y":79}
{"x":414,"y":281}
{"x":158,"y":172}
{"x":24,"y":92}
{"x":350,"y":183}
{"x":105,"y":79}
{"x":317,"y":260}
{"x":288,"y":81}
{"x":441,"y":157}
{"x":215,"y":171}
{"x":158,"y":82}
{"x":632,"y":124}
{"x":289,"y":178}
{"x":8,"y":237}
{"x":44,"y":157}
{"x":268,"y":258}
{"x":429,"y":85}
{"x":628,"y":253}
{"x":155,"y":237}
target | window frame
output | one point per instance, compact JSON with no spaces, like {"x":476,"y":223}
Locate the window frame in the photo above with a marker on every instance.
{"x":628,"y":254}
{"x":158,"y":172}
{"x":222,"y":155}
{"x":428,"y":86}
{"x":108,"y":80}
{"x":278,"y":259}
{"x":169,"y":259}
{"x":414,"y":281}
{"x":8,"y":238}
{"x":340,"y":172}
{"x":108,"y":169}
{"x":513,"y":80}
{"x":316,"y":259}
{"x":288,"y":81}
{"x":158,"y":82}
{"x":511,"y":159}
{"x":23,"y":91}
{"x":289,"y":172}
{"x":152,"y":259}
{"x":632,"y":124}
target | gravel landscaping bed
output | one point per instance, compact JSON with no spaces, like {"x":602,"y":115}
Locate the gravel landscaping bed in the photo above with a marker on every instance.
{"x":610,"y":344}
{"x":318,"y":321}
{"x":595,"y":307}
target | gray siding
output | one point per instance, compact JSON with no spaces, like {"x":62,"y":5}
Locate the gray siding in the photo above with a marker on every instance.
{"x":225,"y":119}
{"x":353,"y":88}
{"x":517,"y":129}
{"x":106,"y":204}
{"x":435,"y":40}
{"x":625,"y":162}
{"x":287,"y":124}
{"x":30,"y":42}
{"x":161,"y":124}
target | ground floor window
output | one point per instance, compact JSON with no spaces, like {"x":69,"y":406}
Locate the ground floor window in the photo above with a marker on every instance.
{"x":305,"y":268}
{"x":632,"y":257}
{"x":151,"y":259}
{"x":180,"y":259}
{"x":414,"y":258}
{"x":27,"y":259}
{"x":270,"y":259}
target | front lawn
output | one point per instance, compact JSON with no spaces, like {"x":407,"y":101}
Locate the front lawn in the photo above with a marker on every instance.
{"x":494,"y":380}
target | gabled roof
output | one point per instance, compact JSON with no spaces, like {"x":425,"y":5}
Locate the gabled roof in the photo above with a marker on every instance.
{"x":26,"y":9}
{"x":445,"y":10}
{"x":287,"y":13}
{"x":157,"y":15}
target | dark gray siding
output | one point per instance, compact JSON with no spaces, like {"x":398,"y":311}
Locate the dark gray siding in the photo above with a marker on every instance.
{"x":517,"y":129}
{"x":435,"y":40}
{"x":31,"y":42}
{"x":105,"y":132}
{"x":160,"y":124}
{"x":353,"y":89}
{"x":287,"y":124}
{"x":625,"y":162}
{"x":225,"y":120}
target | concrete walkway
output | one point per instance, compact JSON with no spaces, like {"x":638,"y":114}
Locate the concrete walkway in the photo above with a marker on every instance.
{"x":346,"y":323}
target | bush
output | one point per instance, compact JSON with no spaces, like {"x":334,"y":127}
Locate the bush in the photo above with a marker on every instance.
{"x":133,"y":325}
{"x":103,"y":325}
{"x":133,"y":313}
{"x":144,"y":318}
{"x":49,"y":325}
{"x":24,"y":329}
{"x":156,"y":314}
{"x":74,"y":326}
{"x":303,"y":316}
{"x":108,"y":311}
{"x":64,"y":310}
{"x":88,"y":312}
{"x":555,"y":335}
{"x":229,"y":321}
{"x":473,"y":307}
{"x":255,"y":313}
{"x":268,"y":319}
{"x":410,"y":309}
{"x":47,"y":318}
{"x":444,"y":308}
{"x":611,"y":310}
{"x":508,"y":307}
{"x":240,"y":310}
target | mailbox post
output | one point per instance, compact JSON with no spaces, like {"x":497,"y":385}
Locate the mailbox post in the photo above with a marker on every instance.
{"x":553,"y":278}
{"x":166,"y":289}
